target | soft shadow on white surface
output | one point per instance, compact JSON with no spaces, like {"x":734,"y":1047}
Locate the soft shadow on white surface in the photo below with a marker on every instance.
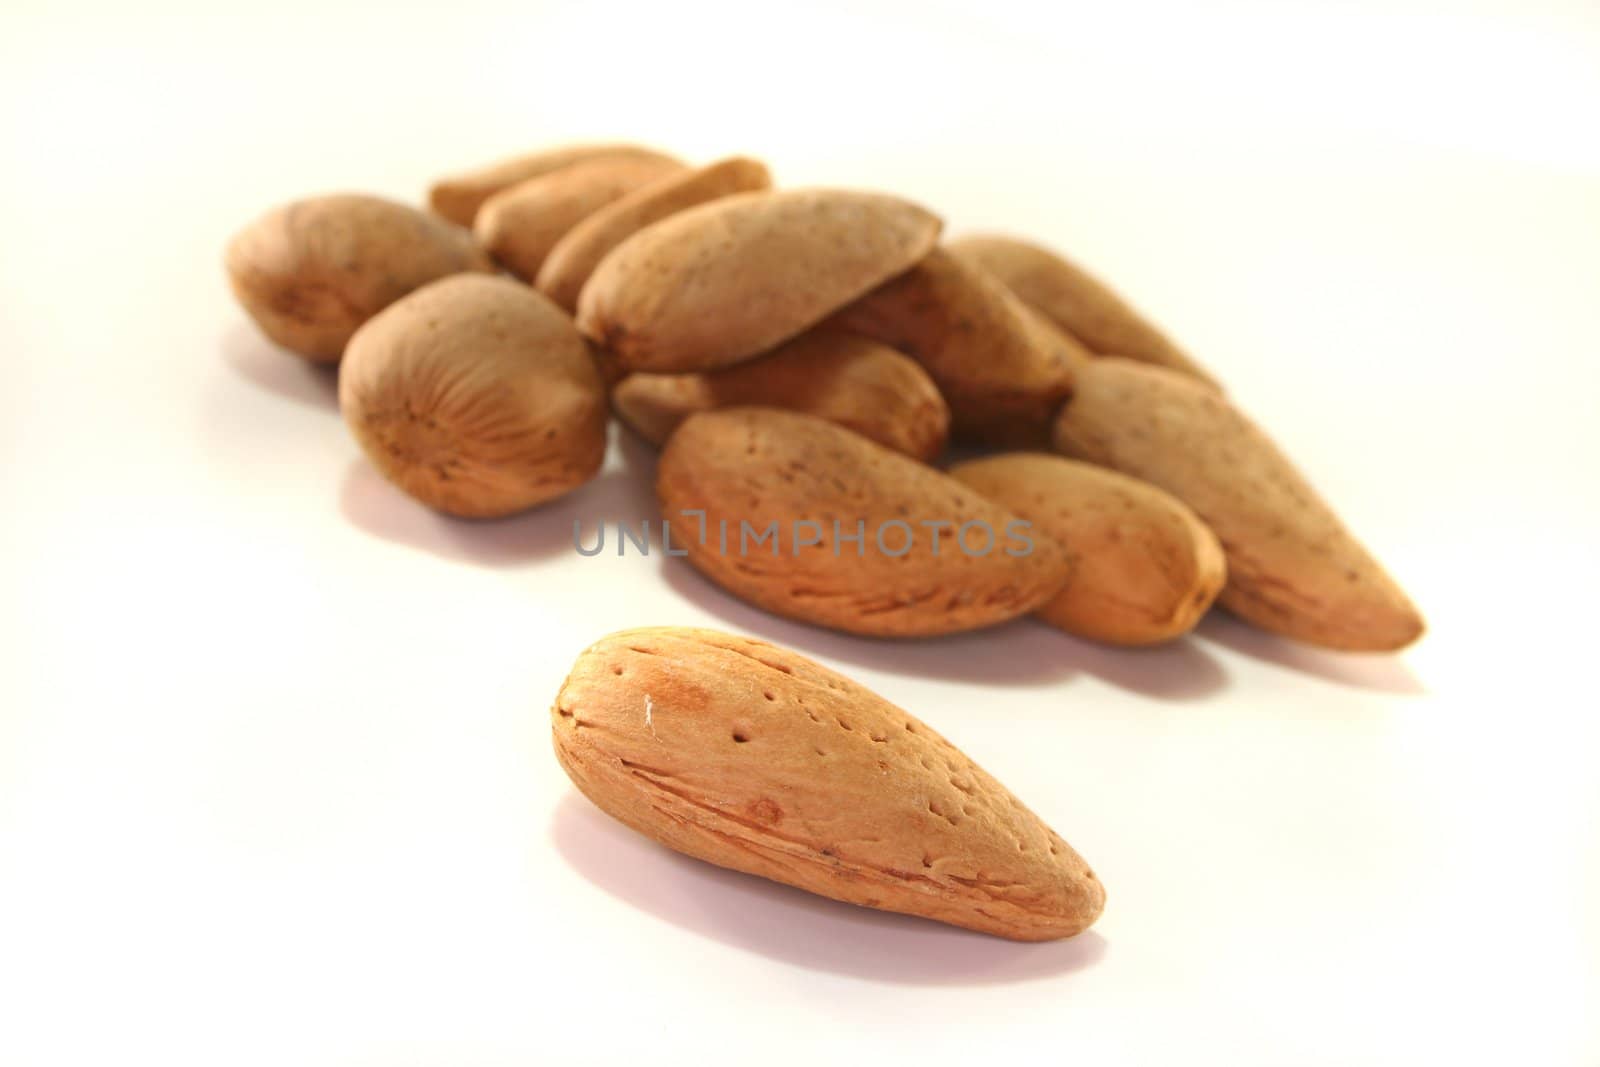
{"x":1178,"y":670}
{"x":792,"y":926}
{"x":1383,"y":673}
{"x":1022,"y":652}
{"x":624,"y":494}
{"x":277,"y":370}
{"x":382,"y":510}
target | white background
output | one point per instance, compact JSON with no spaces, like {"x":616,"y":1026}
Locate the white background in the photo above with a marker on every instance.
{"x":275,"y":782}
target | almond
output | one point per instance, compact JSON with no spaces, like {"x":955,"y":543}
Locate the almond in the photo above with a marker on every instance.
{"x":459,"y":196}
{"x":519,"y":226}
{"x":1144,"y":567}
{"x":576,"y":255}
{"x":859,"y":384}
{"x":933,"y":556}
{"x":749,"y":756}
{"x":1002,"y":371}
{"x":1076,"y":301}
{"x":311,"y":272}
{"x":1293,"y":568}
{"x":730,"y":279}
{"x":477,"y":396}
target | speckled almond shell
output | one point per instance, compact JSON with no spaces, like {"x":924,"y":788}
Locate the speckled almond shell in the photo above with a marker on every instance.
{"x":764,"y":466}
{"x":1144,"y":567}
{"x":849,"y":380}
{"x":477,"y":396}
{"x":576,"y":255}
{"x":519,"y":225}
{"x":459,"y":196}
{"x":733,"y":278}
{"x":311,"y":272}
{"x":1293,"y":568}
{"x":1076,"y":301}
{"x":751,"y":757}
{"x":1004,"y":373}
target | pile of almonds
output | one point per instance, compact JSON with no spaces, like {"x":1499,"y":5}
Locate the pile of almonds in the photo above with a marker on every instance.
{"x":803,"y":357}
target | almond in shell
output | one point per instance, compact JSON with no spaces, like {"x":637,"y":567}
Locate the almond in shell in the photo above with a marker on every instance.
{"x":1076,"y":301}
{"x":1003,"y":371}
{"x":519,"y":225}
{"x":1293,"y":567}
{"x":736,"y":277}
{"x":806,"y":519}
{"x":1144,"y":567}
{"x":477,"y":396}
{"x":311,"y":272}
{"x":576,"y":255}
{"x":751,"y":757}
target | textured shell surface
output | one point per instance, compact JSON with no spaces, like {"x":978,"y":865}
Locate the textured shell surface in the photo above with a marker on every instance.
{"x":753,"y":757}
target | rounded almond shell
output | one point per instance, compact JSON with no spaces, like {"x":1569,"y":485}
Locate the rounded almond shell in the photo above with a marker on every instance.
{"x":476,"y":396}
{"x":311,"y":272}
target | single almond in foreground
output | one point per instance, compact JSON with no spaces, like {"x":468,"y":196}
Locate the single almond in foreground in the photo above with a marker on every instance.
{"x":752,"y":757}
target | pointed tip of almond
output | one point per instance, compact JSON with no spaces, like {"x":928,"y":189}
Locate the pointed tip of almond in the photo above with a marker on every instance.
{"x":1406,"y":629}
{"x":1082,"y":901}
{"x":1382,"y":619}
{"x":1091,"y":903}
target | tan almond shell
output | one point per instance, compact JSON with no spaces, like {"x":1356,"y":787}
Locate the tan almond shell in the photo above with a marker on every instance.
{"x":751,"y":757}
{"x":763,"y":466}
{"x":477,"y":396}
{"x":735,"y":277}
{"x":311,"y":272}
{"x":576,"y":255}
{"x":1001,"y":370}
{"x":1076,"y":301}
{"x":1293,"y":568}
{"x":519,"y":225}
{"x":1144,"y":567}
{"x":459,"y":196}
{"x":857,"y":383}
